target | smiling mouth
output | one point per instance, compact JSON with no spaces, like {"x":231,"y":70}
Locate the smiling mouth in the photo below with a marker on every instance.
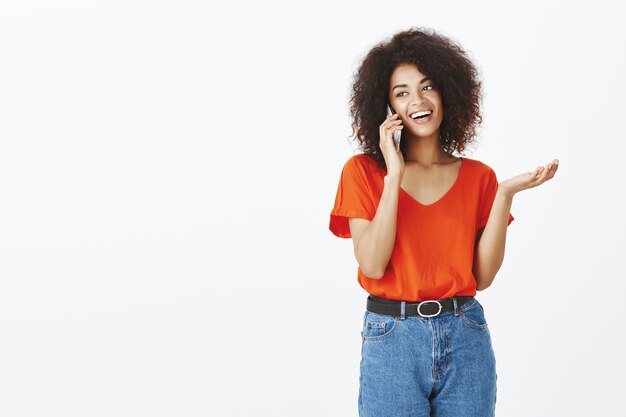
{"x":422,"y":120}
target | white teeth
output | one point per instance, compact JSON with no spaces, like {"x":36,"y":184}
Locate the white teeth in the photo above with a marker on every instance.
{"x":420,"y":113}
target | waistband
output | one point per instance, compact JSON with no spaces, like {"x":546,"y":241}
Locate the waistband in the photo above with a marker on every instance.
{"x":426,"y":308}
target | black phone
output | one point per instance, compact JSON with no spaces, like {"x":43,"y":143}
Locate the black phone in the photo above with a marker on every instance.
{"x":397,"y":134}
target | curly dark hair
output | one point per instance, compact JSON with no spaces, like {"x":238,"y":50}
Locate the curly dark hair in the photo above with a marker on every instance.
{"x":436,"y":56}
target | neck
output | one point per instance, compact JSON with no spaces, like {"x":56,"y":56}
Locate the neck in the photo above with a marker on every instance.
{"x":427,"y":152}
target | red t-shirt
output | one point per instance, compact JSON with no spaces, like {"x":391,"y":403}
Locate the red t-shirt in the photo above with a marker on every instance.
{"x":434,"y":249}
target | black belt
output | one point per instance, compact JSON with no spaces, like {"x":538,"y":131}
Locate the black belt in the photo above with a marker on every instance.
{"x":426,"y":308}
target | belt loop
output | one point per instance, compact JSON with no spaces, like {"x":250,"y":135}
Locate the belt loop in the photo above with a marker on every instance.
{"x":456,"y":312}
{"x":402,"y":309}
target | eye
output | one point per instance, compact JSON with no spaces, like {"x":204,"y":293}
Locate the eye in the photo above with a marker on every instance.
{"x":432,"y":87}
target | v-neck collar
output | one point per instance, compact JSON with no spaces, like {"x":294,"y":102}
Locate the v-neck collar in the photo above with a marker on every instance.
{"x":450,"y":190}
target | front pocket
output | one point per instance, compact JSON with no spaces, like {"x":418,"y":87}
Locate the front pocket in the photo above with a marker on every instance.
{"x":474,"y":315}
{"x":378,"y":326}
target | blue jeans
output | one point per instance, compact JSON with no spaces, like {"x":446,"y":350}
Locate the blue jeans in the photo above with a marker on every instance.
{"x":442,"y":366}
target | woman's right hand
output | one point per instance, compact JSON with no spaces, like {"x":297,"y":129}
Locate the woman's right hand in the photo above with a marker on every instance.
{"x":393,"y":158}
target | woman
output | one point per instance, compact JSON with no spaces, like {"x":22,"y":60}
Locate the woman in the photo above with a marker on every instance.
{"x":428,"y":228}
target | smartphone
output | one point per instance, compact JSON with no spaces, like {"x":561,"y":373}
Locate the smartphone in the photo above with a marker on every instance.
{"x":397,"y":134}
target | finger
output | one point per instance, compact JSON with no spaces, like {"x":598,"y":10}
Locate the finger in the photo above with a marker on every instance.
{"x":552,"y":172}
{"x":536,"y":172}
{"x":552,"y":166}
{"x":397,"y":127}
{"x":536,"y":176}
{"x":536,"y":179}
{"x":389,"y":123}
{"x":387,"y":138}
{"x":551,"y":169}
{"x":547,"y":173}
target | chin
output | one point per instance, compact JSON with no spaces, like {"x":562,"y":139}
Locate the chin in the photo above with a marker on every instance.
{"x":424,"y":132}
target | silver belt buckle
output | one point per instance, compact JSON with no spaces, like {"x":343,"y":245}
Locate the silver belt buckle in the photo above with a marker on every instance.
{"x":428,"y":315}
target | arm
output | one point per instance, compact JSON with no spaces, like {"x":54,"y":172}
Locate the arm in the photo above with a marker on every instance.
{"x":374,"y":240}
{"x":489,"y":249}
{"x":490,"y":242}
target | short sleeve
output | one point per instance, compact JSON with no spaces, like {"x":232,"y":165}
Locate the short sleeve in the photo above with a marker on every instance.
{"x":354,"y":198}
{"x":488,"y":196}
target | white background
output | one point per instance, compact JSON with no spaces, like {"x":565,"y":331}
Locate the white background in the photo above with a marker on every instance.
{"x":167,"y":171}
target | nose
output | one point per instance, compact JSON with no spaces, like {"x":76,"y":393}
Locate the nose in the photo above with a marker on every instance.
{"x":417,"y":99}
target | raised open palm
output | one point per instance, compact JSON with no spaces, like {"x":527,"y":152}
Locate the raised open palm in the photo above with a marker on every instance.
{"x":529,"y":179}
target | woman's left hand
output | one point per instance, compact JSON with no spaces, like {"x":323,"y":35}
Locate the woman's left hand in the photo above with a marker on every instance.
{"x":529,"y":179}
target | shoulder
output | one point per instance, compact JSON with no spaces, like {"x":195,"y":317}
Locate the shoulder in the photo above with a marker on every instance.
{"x":363,"y":159}
{"x":476,"y":164}
{"x":478,"y":168}
{"x":364,"y":170}
{"x":361,"y":162}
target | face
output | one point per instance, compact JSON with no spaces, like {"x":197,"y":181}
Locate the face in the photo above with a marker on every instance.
{"x":411,"y":91}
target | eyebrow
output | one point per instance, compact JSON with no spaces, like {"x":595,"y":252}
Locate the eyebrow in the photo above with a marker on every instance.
{"x":405,"y":85}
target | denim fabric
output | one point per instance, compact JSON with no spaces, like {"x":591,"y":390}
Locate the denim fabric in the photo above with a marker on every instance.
{"x":441,"y":366}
